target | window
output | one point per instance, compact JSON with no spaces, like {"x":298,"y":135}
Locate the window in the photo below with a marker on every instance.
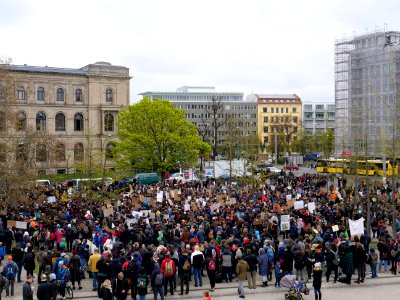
{"x":3,"y":122}
{"x":108,"y":122}
{"x":40,"y":94}
{"x":109,"y":150}
{"x":21,"y":121}
{"x":22,"y":152}
{"x":78,"y":152}
{"x":61,"y":171}
{"x":265,"y":109}
{"x":3,"y":156}
{"x":265,"y":129}
{"x":272,"y":109}
{"x":20,"y":93}
{"x":60,"y":152}
{"x":78,"y":95}
{"x":40,"y":121}
{"x":109,"y":95}
{"x":78,"y":122}
{"x":41,"y":153}
{"x":60,"y":122}
{"x":287,"y":110}
{"x":265,"y":119}
{"x":294,"y":109}
{"x":60,"y":94}
{"x":281,"y":110}
{"x":294,"y":119}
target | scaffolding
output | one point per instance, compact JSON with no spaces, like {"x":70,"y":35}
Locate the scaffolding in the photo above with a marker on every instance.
{"x":366,"y":85}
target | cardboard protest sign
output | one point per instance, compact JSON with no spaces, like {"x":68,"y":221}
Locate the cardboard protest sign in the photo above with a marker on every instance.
{"x":335,"y":228}
{"x":142,"y":198}
{"x":258,"y":222}
{"x":290,"y":203}
{"x":11,"y":224}
{"x":232,"y":201}
{"x":285,"y":222}
{"x":219,"y":198}
{"x":108,"y":211}
{"x":152,"y":216}
{"x":299,"y":204}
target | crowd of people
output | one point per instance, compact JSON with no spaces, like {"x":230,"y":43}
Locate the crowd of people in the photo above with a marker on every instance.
{"x":164,"y":239}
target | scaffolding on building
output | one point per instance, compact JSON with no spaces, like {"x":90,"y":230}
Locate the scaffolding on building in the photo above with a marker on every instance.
{"x":366,"y":84}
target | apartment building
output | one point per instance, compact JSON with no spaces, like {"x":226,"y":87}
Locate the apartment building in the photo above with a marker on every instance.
{"x":318,"y":117}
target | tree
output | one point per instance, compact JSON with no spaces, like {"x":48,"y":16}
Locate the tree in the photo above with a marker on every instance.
{"x":214,"y":121}
{"x":154,"y":135}
{"x":325,"y":142}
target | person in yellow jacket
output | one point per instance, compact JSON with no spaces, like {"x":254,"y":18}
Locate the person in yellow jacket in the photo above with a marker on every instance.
{"x":93,"y":259}
{"x":241,"y":274}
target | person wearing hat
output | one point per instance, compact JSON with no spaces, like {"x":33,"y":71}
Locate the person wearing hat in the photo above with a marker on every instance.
{"x":10,"y":270}
{"x":45,"y":289}
{"x":317,"y":280}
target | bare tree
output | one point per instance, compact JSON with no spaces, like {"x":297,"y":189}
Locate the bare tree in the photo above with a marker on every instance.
{"x":214,"y":121}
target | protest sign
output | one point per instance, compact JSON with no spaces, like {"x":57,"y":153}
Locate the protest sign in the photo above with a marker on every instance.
{"x":290,"y":203}
{"x":356,"y":226}
{"x":51,"y":199}
{"x":335,"y":228}
{"x":311,"y":207}
{"x":285,"y":222}
{"x":108,"y":211}
{"x":160,"y":196}
{"x":299,"y":204}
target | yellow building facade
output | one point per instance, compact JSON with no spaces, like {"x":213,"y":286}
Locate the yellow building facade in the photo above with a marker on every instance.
{"x":280,"y":115}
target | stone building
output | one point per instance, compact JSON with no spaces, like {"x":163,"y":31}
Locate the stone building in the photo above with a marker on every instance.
{"x":77,"y":106}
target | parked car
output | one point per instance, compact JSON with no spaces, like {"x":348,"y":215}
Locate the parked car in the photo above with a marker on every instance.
{"x":147,"y":178}
{"x":274,"y":170}
{"x":291,"y":167}
{"x":182,"y":177}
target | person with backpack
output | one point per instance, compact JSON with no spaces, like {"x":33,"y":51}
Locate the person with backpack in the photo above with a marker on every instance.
{"x":157,"y":282}
{"x":168,"y":268}
{"x":394,"y":255}
{"x":184,"y":268}
{"x":63,"y":276}
{"x":142,"y":283}
{"x":10,"y":271}
{"x":373,"y":262}
{"x":131,"y":271}
{"x":18,"y":256}
{"x":211,"y":264}
{"x":120,"y":287}
{"x":332,"y":258}
{"x":299,"y":263}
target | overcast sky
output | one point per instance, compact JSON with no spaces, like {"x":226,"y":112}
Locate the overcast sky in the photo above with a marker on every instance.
{"x":241,"y":46}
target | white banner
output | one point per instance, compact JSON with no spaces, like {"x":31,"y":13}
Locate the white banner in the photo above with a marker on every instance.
{"x":311,"y":207}
{"x":285,"y":222}
{"x":299,"y":204}
{"x":356,"y":226}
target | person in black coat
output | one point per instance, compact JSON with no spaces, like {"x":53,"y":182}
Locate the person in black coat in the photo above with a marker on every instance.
{"x":121,"y":286}
{"x":74,"y":266}
{"x":317,"y":280}
{"x":184,"y":267}
{"x":45,"y":289}
{"x":252,"y":261}
{"x":287,"y":265}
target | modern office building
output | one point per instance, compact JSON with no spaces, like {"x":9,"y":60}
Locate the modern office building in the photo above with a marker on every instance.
{"x":277,"y":114}
{"x":367,"y":92}
{"x":197,"y":103}
{"x":318,"y":117}
{"x":79,"y":107}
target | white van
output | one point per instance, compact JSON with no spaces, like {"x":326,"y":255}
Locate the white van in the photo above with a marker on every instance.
{"x":42,"y":182}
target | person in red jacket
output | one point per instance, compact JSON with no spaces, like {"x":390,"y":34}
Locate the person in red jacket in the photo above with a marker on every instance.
{"x":168,"y":268}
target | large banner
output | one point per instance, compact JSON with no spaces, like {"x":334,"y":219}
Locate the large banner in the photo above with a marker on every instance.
{"x":356,"y":226}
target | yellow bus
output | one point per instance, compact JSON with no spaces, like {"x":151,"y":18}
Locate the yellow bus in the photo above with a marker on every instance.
{"x":368,"y":167}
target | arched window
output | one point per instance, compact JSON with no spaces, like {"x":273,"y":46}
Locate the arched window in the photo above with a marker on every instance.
{"x":60,"y":94}
{"x":78,"y":122}
{"x":3,"y":122}
{"x":109,"y":150}
{"x":78,"y":152}
{"x":3,"y":156}
{"x":41,"y":153}
{"x":78,"y":95}
{"x":22,"y":152}
{"x":20,"y":93}
{"x":40,"y":121}
{"x":60,"y":122}
{"x":60,"y":152}
{"x":40,"y":94}
{"x":109,"y":95}
{"x":21,"y":121}
{"x":108,"y":122}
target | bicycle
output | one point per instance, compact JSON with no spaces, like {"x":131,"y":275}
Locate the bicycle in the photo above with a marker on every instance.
{"x":69,"y":293}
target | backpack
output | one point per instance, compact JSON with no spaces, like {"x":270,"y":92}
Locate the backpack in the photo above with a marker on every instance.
{"x":159,"y":279}
{"x":211,"y":265}
{"x":336,"y":258}
{"x":141,"y":283}
{"x":395,"y":250}
{"x":133,"y":266}
{"x":271,"y":255}
{"x":169,"y":270}
{"x":186,"y":265}
{"x":299,"y":256}
{"x":10,"y":271}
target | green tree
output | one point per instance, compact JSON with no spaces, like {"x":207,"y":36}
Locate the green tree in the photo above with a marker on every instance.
{"x":155,"y":135}
{"x":325,"y":141}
